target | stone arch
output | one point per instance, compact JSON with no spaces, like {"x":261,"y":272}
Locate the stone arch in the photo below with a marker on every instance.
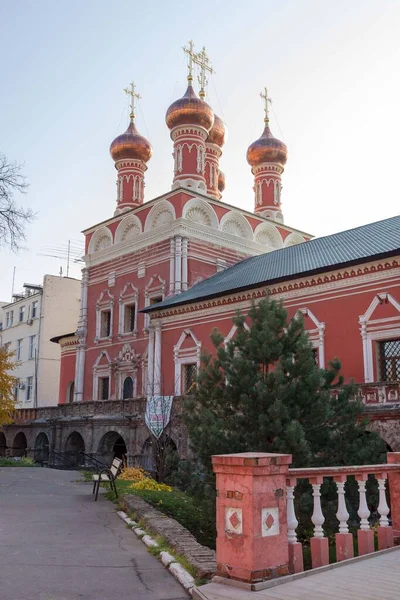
{"x":41,"y":451}
{"x":128,"y":228}
{"x":102,"y":238}
{"x":160,"y":215}
{"x":74,"y":449}
{"x":3,"y":444}
{"x":20,"y":445}
{"x":200,"y":212}
{"x":268,"y":235}
{"x":112,"y":445}
{"x":154,"y":454}
{"x":236,"y":224}
{"x":389,"y":431}
{"x":293,"y":239}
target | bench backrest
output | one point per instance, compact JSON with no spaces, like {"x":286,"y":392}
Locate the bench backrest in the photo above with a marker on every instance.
{"x":115,"y":465}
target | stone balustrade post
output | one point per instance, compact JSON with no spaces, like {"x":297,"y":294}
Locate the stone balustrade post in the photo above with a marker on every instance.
{"x":393,"y":458}
{"x":343,"y":539}
{"x":365,"y":535}
{"x":385,"y":531}
{"x":252,"y":543}
{"x":319,"y":543}
{"x":296,"y":561}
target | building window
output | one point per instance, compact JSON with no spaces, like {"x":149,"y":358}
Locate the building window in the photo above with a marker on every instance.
{"x":189,"y":377}
{"x":19,"y":349}
{"x":71,"y":392}
{"x":155,"y":300}
{"x":16,"y":389}
{"x":32,"y":342}
{"x":8,"y":319}
{"x":389,"y":360}
{"x":29,"y":388}
{"x":11,"y":318}
{"x":104,"y":388}
{"x":34,"y":309}
{"x":21,"y":313}
{"x":127,"y":392}
{"x":129,"y":317}
{"x":105,"y":323}
{"x":315,"y":356}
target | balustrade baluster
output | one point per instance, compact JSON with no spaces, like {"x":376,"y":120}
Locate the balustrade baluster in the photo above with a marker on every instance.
{"x":385,"y":531}
{"x":296,"y":564}
{"x":365,"y":535}
{"x":343,"y":539}
{"x":319,"y":543}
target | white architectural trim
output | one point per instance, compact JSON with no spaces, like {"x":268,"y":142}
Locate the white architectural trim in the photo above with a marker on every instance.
{"x":162,"y":213}
{"x":232,"y":333}
{"x":100,"y":371}
{"x":375,"y":330}
{"x":128,"y":297}
{"x":234,"y":223}
{"x":268,"y":235}
{"x":292,"y":239}
{"x":316,"y":336}
{"x":101,"y":239}
{"x":185,"y":356}
{"x":155,"y":287}
{"x":104,"y":302}
{"x":127,"y":230}
{"x":199,"y":211}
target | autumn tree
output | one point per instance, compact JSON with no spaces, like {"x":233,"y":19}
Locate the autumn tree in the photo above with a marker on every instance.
{"x":7,"y":384}
{"x":13,"y":217}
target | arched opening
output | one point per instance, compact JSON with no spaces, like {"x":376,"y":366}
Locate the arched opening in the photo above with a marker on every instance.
{"x":19,"y":445}
{"x":71,"y":392}
{"x":3,"y":444}
{"x":74,"y":450}
{"x":112,"y":445}
{"x":159,"y":456}
{"x":127,"y":391}
{"x":41,"y":454}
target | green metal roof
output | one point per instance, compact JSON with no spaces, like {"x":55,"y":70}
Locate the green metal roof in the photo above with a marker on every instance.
{"x":321,"y":254}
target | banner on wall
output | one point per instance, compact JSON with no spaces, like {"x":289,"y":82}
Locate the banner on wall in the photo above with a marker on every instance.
{"x":158,"y":413}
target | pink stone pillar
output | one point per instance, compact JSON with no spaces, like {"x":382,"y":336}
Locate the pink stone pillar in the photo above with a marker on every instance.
{"x":319,"y":544}
{"x":252,"y":542}
{"x":393,"y":458}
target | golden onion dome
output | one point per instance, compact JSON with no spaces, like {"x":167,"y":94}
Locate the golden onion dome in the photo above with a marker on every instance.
{"x":190,"y":110}
{"x":131,"y":145}
{"x":221,"y":181}
{"x":217,"y":132}
{"x":266,"y":149}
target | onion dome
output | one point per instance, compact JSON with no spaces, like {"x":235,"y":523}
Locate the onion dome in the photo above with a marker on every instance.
{"x":221,"y":181}
{"x":190,"y":110}
{"x":131,"y":145}
{"x":266,"y":149}
{"x":217,"y":132}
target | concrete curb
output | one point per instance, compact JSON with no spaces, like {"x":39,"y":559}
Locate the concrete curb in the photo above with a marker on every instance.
{"x":176,"y":569}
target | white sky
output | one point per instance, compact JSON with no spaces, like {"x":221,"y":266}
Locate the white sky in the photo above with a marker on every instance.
{"x":331,"y":67}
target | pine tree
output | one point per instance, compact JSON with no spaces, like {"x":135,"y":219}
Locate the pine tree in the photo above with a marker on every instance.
{"x":7,"y":383}
{"x":263,"y":392}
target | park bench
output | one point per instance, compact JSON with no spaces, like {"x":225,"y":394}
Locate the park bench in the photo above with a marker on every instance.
{"x":107,"y":475}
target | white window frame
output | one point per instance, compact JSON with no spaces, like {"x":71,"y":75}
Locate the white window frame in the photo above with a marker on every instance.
{"x":100,"y":371}
{"x":104,"y":303}
{"x":19,"y":349}
{"x":155,"y":287}
{"x":316,"y":336}
{"x":34,"y":309}
{"x":373,"y":330}
{"x":8,"y":319}
{"x":184,"y":356}
{"x":29,"y":388}
{"x":31,"y":347}
{"x":21,"y":313}
{"x":128,"y":297}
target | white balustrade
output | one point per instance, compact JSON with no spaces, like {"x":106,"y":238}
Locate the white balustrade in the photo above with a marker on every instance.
{"x":292,"y":522}
{"x":342,"y":514}
{"x":363,"y":511}
{"x":383,"y":508}
{"x":317,"y":517}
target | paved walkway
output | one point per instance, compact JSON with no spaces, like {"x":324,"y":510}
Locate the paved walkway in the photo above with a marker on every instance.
{"x":56,"y":543}
{"x":377,"y":577}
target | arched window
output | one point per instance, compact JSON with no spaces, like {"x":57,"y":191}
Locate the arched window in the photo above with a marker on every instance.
{"x":71,"y":392}
{"x":128,"y":388}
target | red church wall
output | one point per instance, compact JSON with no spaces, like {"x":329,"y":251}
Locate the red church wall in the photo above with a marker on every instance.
{"x":67,"y":370}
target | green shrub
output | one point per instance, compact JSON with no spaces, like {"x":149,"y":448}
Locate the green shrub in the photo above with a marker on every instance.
{"x":21,"y":462}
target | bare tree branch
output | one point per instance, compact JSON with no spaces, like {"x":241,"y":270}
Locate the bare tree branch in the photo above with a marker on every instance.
{"x":13,"y":218}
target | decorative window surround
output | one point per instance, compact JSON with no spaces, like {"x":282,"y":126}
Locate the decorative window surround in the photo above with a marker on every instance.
{"x":154,"y":289}
{"x":105,"y":302}
{"x":100,"y":371}
{"x":316,"y":336}
{"x":377,"y":329}
{"x":232,"y":333}
{"x":184,"y":356}
{"x":128,"y":297}
{"x":127,"y":366}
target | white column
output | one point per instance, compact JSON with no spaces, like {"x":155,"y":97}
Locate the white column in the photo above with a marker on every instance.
{"x":292,"y":522}
{"x":178,"y":264}
{"x":172,"y":266}
{"x":184,"y":264}
{"x":150,"y":362}
{"x":383,"y":508}
{"x":342,"y":514}
{"x":363,"y":511}
{"x":81,"y":334}
{"x":157,"y":360}
{"x":317,"y":517}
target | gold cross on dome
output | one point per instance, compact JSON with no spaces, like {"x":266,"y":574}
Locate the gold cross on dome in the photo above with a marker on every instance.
{"x":201,"y":59}
{"x":267,"y":101}
{"x":132,"y":93}
{"x":191,"y":54}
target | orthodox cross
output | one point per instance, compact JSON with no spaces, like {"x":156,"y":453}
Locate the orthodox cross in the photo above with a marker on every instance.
{"x":132,"y":93}
{"x":191,"y":54}
{"x":201,"y":59}
{"x":267,"y":101}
